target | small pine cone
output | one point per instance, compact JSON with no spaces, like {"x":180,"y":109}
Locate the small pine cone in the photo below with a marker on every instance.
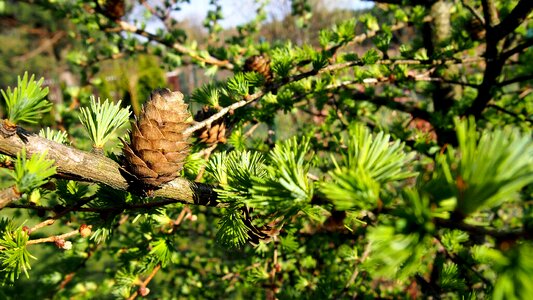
{"x":259,"y":64}
{"x":114,"y":9}
{"x":216,"y":133}
{"x":158,"y":148}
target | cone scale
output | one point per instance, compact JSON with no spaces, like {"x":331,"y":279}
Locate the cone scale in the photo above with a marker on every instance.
{"x":158,"y":148}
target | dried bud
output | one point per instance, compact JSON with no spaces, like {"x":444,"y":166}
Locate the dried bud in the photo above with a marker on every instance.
{"x":26,"y":229}
{"x":85,"y":230}
{"x":144,"y":291}
{"x":62,"y":244}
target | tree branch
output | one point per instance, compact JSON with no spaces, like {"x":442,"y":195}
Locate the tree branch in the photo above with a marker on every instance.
{"x":473,"y":11}
{"x":516,"y":116}
{"x":517,"y":17}
{"x":516,"y":79}
{"x":8,"y":195}
{"x":85,"y":166}
{"x":53,"y":239}
{"x":517,"y":49}
{"x":124,"y":26}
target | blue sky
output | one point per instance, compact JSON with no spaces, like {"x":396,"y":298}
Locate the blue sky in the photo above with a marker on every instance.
{"x":239,"y":11}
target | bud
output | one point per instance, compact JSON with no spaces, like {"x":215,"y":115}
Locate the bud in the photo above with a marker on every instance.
{"x":143,"y":291}
{"x":62,"y":244}
{"x":85,"y":230}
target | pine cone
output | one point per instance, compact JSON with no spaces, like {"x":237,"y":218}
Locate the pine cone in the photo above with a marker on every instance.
{"x":158,"y":148}
{"x":114,"y":9}
{"x":259,"y":64}
{"x":214,"y":133}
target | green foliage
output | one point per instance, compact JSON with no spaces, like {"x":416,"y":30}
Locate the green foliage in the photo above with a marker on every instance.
{"x":370,"y":161}
{"x":57,"y":136}
{"x":101,"y":120}
{"x":286,"y":186}
{"x":162,"y":251}
{"x":207,"y":94}
{"x":396,"y":255}
{"x":26,"y":103}
{"x":487,"y":169}
{"x":238,"y":85}
{"x":31,"y":173}
{"x":282,"y":61}
{"x":14,"y":257}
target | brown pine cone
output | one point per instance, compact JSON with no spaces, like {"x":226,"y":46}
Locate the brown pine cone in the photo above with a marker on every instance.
{"x":158,"y":148}
{"x":216,"y":133}
{"x":259,"y":64}
{"x":113,"y":9}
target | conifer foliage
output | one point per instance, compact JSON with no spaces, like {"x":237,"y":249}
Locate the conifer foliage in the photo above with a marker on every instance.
{"x":387,"y":155}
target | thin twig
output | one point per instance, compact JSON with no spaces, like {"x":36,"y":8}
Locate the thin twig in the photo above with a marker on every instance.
{"x":517,"y":116}
{"x":355,"y":273}
{"x":461,"y":262}
{"x":206,"y":153}
{"x":53,"y":239}
{"x":252,"y":129}
{"x":473,"y":11}
{"x":208,"y":59}
{"x":145,"y":282}
{"x":516,"y":79}
{"x":65,"y":211}
{"x":251,"y":98}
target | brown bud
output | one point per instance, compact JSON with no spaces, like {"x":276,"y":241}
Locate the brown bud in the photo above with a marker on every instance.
{"x":144,"y":291}
{"x":26,"y":229}
{"x":85,"y":230}
{"x":62,"y":244}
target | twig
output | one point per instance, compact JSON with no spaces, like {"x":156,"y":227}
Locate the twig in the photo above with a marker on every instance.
{"x":208,"y":59}
{"x":251,"y":98}
{"x":252,"y":129}
{"x":206,"y":153}
{"x":461,"y":262}
{"x":364,"y":36}
{"x":516,"y":79}
{"x":514,"y":19}
{"x":47,"y":43}
{"x":8,"y":195}
{"x":478,"y":230}
{"x":52,"y":220}
{"x":355,"y":273}
{"x":145,"y":283}
{"x":517,"y":116}
{"x":53,"y":239}
{"x":473,"y":11}
{"x":517,"y":49}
